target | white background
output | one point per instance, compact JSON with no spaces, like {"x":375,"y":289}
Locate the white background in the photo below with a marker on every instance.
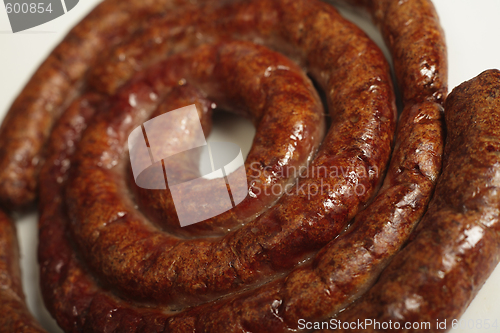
{"x":472,"y":31}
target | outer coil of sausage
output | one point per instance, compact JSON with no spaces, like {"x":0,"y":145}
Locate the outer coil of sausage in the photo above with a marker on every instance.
{"x":15,"y":316}
{"x":388,"y":105}
{"x":456,"y":245}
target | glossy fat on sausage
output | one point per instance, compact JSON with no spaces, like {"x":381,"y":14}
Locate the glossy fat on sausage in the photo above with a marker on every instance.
{"x":456,"y":245}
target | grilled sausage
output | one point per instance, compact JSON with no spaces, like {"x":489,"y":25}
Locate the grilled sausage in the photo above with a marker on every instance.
{"x":16,"y":317}
{"x":456,"y":245}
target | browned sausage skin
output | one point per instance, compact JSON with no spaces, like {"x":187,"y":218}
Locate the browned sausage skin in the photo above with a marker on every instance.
{"x":347,"y":266}
{"x":456,"y":246}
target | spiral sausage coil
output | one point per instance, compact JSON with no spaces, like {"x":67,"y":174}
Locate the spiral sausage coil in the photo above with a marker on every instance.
{"x":113,"y":256}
